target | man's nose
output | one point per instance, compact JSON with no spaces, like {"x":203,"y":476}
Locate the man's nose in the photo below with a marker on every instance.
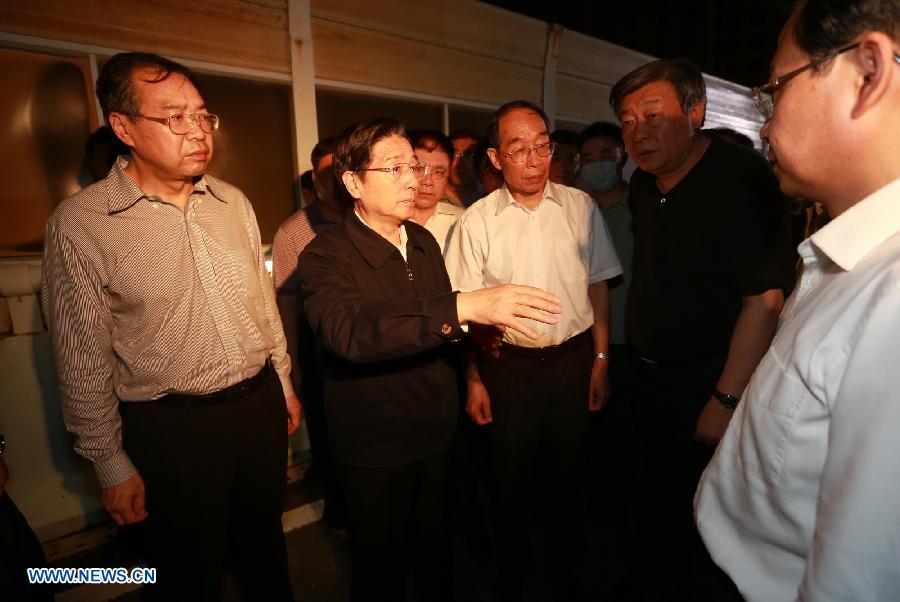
{"x":195,"y":132}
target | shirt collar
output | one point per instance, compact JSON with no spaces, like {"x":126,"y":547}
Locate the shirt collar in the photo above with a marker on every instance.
{"x":373,"y":246}
{"x":123,"y":192}
{"x":861,"y":228}
{"x":443,"y":209}
{"x":551,"y":192}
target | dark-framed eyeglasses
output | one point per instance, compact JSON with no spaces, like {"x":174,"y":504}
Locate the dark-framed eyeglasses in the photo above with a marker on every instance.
{"x":183,"y":123}
{"x":417,"y":169}
{"x":765,"y":95}
{"x":520,"y":154}
{"x":466,"y":155}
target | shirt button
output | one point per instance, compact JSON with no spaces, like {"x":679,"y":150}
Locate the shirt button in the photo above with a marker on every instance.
{"x":446,"y":329}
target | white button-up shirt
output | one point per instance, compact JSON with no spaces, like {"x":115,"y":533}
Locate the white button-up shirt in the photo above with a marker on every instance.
{"x":561,"y":246}
{"x":442,"y":222}
{"x":802,"y":498}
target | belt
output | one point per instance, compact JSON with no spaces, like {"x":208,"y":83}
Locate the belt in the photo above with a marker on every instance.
{"x":229,"y":394}
{"x":550,"y":352}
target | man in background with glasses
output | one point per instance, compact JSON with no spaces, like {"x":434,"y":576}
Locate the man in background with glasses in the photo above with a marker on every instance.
{"x":711,"y":264}
{"x":802,"y":499}
{"x":438,"y":216}
{"x":537,"y":393}
{"x":463,"y":188}
{"x":169,"y":350}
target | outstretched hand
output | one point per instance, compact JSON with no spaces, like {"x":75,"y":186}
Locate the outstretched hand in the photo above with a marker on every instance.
{"x":504,"y":306}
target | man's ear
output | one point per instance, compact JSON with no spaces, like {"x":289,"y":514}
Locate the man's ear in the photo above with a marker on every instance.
{"x":697,"y":113}
{"x":121,"y":125}
{"x":351,"y":183}
{"x":874,"y":61}
{"x":495,"y":159}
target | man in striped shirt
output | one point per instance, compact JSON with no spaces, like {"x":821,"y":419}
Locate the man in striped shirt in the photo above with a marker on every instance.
{"x":170,"y":355}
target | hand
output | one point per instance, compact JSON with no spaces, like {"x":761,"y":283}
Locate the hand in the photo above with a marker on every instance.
{"x":712,"y":422}
{"x":125,"y":501}
{"x":4,"y":476}
{"x":599,"y":386}
{"x":478,"y":403}
{"x":503,"y":305}
{"x":293,"y":413}
{"x":487,"y":338}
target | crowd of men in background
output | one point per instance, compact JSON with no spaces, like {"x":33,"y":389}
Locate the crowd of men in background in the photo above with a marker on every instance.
{"x":700,"y":310}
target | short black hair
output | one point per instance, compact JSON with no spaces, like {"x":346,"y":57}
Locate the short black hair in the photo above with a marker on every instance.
{"x":431,"y":140}
{"x":493,"y":128}
{"x":323,"y":148}
{"x":601,"y":129}
{"x":685,"y":77}
{"x":826,"y":25}
{"x":353,"y":151}
{"x":115,"y":89}
{"x":564,"y":137}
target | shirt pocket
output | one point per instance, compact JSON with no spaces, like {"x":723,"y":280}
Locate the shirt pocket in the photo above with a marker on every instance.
{"x":777,"y":401}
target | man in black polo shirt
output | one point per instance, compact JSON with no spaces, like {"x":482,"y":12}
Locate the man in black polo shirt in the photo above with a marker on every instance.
{"x":711,"y":268}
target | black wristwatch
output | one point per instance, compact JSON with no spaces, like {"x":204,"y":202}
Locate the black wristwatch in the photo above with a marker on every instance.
{"x":729,"y":401}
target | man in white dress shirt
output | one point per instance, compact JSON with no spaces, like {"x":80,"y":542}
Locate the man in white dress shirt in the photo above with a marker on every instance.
{"x":537,"y":393}
{"x":802,"y":499}
{"x":437,"y":215}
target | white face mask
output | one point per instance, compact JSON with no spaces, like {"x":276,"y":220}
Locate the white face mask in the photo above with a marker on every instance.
{"x":600,"y":176}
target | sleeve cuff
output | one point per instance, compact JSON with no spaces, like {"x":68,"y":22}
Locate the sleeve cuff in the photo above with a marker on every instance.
{"x":445,"y":317}
{"x":115,"y":470}
{"x":286,"y":385}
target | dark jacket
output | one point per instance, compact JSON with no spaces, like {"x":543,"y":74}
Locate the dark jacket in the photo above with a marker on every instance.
{"x":384,"y":329}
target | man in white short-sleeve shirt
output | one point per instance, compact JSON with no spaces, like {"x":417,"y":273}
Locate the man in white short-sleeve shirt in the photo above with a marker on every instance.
{"x":537,"y":393}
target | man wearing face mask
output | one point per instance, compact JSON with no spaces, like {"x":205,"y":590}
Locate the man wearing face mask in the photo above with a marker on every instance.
{"x":603,"y":157}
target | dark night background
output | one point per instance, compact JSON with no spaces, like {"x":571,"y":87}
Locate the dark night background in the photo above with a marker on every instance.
{"x":731,"y":39}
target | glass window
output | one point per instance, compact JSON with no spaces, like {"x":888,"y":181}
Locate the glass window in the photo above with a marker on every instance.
{"x":470,"y":118}
{"x":254,"y":146}
{"x":336,"y":109}
{"x":46,"y":115}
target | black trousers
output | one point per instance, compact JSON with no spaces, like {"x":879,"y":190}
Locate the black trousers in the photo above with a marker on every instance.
{"x":215,"y":480}
{"x":399,"y":521}
{"x":19,"y":550}
{"x":312,"y":395}
{"x":667,"y":401}
{"x":539,"y":401}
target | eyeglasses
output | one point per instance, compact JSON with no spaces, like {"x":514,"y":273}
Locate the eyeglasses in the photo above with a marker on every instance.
{"x":465,"y":155}
{"x":765,"y":95}
{"x":418,"y":169}
{"x":183,"y":123}
{"x":520,"y":154}
{"x":438,"y":173}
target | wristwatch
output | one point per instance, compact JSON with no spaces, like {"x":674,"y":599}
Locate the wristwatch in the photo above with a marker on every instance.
{"x":2,"y":443}
{"x":729,"y":401}
{"x":601,"y":356}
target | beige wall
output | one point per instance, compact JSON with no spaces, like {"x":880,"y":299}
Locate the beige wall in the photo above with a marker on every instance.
{"x":244,"y":33}
{"x":451,"y":49}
